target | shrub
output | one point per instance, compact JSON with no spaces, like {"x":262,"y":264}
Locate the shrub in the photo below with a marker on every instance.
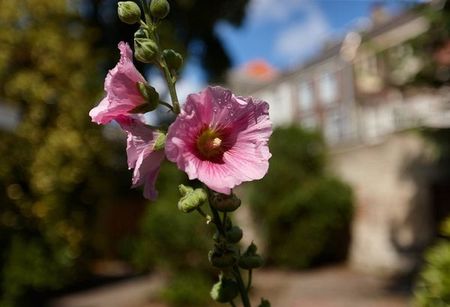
{"x":305,"y":211}
{"x":433,"y":287}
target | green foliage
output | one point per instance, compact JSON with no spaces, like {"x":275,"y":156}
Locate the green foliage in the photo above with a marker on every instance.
{"x":55,"y":161}
{"x":305,"y":212}
{"x":427,"y":45}
{"x":175,"y":242}
{"x":188,"y":289}
{"x":433,"y":288}
{"x":189,"y":24}
{"x":168,"y":238}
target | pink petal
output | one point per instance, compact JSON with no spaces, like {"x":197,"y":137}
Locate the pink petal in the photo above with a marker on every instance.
{"x":247,"y":127}
{"x":142,"y":157}
{"x":122,"y":94}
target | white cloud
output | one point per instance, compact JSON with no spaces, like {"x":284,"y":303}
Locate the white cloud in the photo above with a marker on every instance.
{"x":301,"y":39}
{"x":262,"y":11}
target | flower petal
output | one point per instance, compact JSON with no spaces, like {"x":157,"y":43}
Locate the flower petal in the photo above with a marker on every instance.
{"x":122,"y":94}
{"x":245,"y":127}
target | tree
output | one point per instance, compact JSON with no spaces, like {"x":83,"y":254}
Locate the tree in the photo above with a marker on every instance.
{"x":56,"y":171}
{"x":190,"y":22}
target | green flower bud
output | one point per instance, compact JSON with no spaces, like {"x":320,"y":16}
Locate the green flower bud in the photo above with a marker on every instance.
{"x":150,"y":95}
{"x":159,"y":8}
{"x":222,"y":258}
{"x":184,"y":190}
{"x":141,"y":33}
{"x":250,"y":262}
{"x":250,"y":259}
{"x":225,"y":203}
{"x":191,"y":200}
{"x":224,"y":290}
{"x":234,"y":234}
{"x":264,"y":303}
{"x":129,"y":12}
{"x":173,"y":59}
{"x":145,"y":50}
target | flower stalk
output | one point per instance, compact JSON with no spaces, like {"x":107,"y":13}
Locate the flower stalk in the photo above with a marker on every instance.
{"x":219,"y":138}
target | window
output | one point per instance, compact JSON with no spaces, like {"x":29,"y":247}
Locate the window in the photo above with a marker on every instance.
{"x":309,"y":122}
{"x":328,"y":88}
{"x":280,"y":104}
{"x":305,"y":96}
{"x":332,"y":127}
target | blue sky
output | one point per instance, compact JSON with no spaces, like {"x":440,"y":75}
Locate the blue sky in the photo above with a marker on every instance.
{"x":285,"y":33}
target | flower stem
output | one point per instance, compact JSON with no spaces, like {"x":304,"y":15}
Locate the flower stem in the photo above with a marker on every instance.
{"x":145,"y":7}
{"x":171,"y":86}
{"x":216,"y":217}
{"x":242,"y":289}
{"x":249,"y":281}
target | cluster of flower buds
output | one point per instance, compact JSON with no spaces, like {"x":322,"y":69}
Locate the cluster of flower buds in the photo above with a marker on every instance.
{"x":226,"y":254}
{"x":146,"y":48}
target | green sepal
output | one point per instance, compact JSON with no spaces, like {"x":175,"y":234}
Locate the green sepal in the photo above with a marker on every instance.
{"x":150,"y":94}
{"x":173,"y":59}
{"x":160,"y":142}
{"x":264,"y":303}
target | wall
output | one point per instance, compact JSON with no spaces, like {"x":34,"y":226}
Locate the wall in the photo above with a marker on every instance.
{"x":393,"y":220}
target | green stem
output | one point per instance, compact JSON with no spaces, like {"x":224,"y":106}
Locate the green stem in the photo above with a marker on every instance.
{"x":171,"y":86}
{"x":224,"y":219}
{"x":148,"y":18}
{"x":216,"y":217}
{"x":249,"y":281}
{"x":242,"y":289}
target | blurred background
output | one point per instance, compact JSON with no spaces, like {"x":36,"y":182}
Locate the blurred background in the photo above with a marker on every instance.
{"x":352,"y":212}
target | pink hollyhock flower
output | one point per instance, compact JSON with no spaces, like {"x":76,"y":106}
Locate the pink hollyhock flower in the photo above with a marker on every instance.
{"x":143,"y":155}
{"x":122,"y":93}
{"x":221,"y":139}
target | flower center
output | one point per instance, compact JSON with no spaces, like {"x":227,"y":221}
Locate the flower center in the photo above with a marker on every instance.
{"x":210,"y":144}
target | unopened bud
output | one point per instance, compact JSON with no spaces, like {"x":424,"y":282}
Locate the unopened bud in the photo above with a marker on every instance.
{"x":192,"y":199}
{"x":159,"y":8}
{"x":224,"y":290}
{"x":141,"y":33}
{"x":250,"y":259}
{"x":225,"y":203}
{"x":145,"y":50}
{"x":223,"y":257}
{"x":234,"y":234}
{"x":129,"y":12}
{"x":173,"y":59}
